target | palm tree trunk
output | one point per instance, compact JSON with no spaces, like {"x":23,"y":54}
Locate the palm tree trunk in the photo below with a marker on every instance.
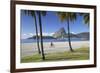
{"x":41,"y":40}
{"x":37,"y":37}
{"x":69,"y":39}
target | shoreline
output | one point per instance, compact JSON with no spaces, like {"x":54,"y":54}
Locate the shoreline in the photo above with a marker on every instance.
{"x":28,"y":49}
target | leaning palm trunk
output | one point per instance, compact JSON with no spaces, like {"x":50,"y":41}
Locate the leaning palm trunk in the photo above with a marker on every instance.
{"x":33,"y":14}
{"x":68,"y":16}
{"x":37,"y":37}
{"x":69,"y":38}
{"x":41,"y":40}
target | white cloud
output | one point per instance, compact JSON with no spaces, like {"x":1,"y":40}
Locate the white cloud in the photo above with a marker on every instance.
{"x":73,"y":32}
{"x":28,"y":34}
{"x":31,"y":34}
{"x":47,"y":34}
{"x":24,"y":36}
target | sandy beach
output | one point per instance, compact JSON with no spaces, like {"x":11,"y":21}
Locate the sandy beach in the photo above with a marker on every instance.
{"x":28,"y":49}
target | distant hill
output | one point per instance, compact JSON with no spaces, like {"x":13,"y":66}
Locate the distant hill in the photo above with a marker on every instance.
{"x":72,"y":35}
{"x":44,"y":37}
{"x":61,"y":33}
{"x":83,"y":35}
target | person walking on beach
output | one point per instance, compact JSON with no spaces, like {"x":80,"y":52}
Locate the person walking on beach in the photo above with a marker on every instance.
{"x":52,"y":44}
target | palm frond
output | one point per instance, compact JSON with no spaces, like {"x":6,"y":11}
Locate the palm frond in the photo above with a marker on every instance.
{"x":29,"y":12}
{"x":86,"y":18}
{"x":72,"y":16}
{"x":67,"y":16}
{"x":62,"y":16}
{"x":43,"y":13}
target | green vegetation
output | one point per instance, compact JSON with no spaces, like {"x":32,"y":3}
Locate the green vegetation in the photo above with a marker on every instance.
{"x":78,"y":54}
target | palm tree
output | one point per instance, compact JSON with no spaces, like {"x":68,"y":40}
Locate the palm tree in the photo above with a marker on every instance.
{"x":39,"y":13}
{"x":85,"y":18}
{"x":33,"y":14}
{"x":69,"y":17}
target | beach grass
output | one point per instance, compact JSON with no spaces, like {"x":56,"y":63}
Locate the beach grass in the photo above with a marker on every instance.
{"x":78,"y":54}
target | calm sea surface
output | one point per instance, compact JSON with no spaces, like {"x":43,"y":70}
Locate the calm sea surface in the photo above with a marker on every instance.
{"x":50,"y":40}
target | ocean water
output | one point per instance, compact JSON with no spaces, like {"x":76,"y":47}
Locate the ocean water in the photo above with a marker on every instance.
{"x":50,"y":40}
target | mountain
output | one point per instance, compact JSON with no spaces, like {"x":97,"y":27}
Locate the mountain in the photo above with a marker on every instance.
{"x":44,"y":37}
{"x":72,"y":35}
{"x":60,"y":33}
{"x":83,"y":35}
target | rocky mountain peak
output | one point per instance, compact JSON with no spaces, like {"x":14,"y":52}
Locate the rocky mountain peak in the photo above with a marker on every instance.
{"x":60,"y":33}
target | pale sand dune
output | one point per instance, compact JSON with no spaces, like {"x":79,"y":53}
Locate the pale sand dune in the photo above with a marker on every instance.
{"x":28,"y":49}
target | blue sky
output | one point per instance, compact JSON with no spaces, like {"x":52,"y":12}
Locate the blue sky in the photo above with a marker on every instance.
{"x":50,"y":24}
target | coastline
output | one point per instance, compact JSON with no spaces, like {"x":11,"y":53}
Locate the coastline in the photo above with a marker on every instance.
{"x":28,"y":49}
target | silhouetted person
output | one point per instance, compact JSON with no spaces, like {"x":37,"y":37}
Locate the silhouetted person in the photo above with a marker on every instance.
{"x":51,"y":44}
